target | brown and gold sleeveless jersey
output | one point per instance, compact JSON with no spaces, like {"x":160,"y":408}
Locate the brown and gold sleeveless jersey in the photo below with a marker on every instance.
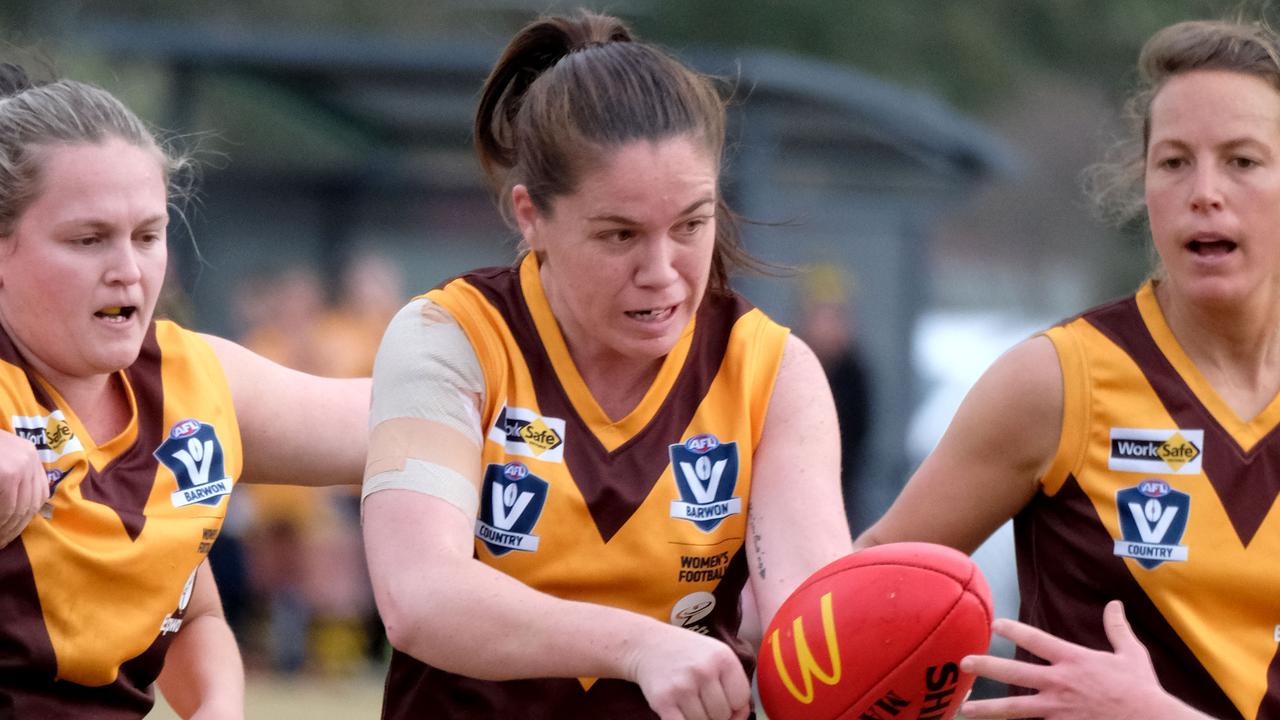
{"x":1159,"y":496}
{"x":93,"y":590}
{"x":646,"y":513}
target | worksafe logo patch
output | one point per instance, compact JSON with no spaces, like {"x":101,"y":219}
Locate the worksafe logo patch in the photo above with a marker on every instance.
{"x":1153,"y":518}
{"x":521,"y":431}
{"x":51,"y":434}
{"x":194,"y":454}
{"x":1144,"y":450}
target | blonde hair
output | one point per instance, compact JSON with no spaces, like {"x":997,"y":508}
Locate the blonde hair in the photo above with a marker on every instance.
{"x":34,"y":117}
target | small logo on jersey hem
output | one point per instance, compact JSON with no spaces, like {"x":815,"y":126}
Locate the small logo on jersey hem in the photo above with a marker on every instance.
{"x":172,"y":622}
{"x":521,"y":431}
{"x":690,"y":611}
{"x":51,"y":434}
{"x":510,"y":506}
{"x":1144,"y":450}
{"x":194,"y":455}
{"x":706,"y":474}
{"x":1153,"y":517}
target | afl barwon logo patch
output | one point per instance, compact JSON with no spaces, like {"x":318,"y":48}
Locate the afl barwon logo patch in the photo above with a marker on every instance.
{"x":706,"y":473}
{"x":524,"y":432}
{"x":1153,"y":517}
{"x":510,"y":506}
{"x":1142,"y":450}
{"x":194,"y":455}
{"x":51,"y":434}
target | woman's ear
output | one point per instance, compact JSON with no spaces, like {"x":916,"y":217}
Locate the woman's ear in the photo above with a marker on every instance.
{"x":526,"y":214}
{"x":6,"y":247}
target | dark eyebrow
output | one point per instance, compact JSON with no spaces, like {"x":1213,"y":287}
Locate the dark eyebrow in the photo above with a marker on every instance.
{"x":623,"y":220}
{"x":157,"y":219}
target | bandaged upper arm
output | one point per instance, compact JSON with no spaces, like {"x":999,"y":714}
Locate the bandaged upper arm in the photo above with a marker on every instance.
{"x":424,"y":420}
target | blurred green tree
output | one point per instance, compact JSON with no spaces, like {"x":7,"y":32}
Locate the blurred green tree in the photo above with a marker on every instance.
{"x":970,"y":52}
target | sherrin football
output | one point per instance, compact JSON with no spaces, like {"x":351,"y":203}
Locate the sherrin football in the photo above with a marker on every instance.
{"x":877,"y":633}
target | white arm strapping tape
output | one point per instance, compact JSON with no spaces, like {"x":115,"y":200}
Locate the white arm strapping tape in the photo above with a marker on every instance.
{"x":426,"y":375}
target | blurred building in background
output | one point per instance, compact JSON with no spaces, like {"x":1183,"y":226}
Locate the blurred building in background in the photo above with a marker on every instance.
{"x":338,"y":131}
{"x":336,"y":144}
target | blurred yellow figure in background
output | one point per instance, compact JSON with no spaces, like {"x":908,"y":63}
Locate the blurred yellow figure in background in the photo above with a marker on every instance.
{"x":307,"y":563}
{"x":828,"y":324}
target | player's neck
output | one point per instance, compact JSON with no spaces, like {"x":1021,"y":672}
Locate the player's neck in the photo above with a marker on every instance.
{"x":100,"y":402}
{"x":618,"y":390}
{"x":1237,"y":352}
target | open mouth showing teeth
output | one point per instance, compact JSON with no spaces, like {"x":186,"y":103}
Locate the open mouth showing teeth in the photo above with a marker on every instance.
{"x":1211,"y":247}
{"x":652,"y":314}
{"x":116,"y":313}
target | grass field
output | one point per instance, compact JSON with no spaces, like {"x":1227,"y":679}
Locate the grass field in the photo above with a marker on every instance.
{"x":272,"y":697}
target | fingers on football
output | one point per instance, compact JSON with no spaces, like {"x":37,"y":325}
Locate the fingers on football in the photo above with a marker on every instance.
{"x":1011,"y":707}
{"x":1010,"y":672}
{"x":1034,"y":640}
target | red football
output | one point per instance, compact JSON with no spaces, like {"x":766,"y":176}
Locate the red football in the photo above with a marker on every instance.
{"x":877,"y":634}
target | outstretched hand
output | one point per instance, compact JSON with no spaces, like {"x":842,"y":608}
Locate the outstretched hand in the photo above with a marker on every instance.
{"x":1078,"y":683}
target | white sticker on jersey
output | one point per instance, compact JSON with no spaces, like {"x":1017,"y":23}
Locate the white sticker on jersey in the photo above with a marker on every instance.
{"x":521,"y":431}
{"x":510,"y":504}
{"x":706,"y":475}
{"x":690,"y":610}
{"x":1149,"y":451}
{"x":1153,"y":518}
{"x":193,"y":453}
{"x":51,"y":434}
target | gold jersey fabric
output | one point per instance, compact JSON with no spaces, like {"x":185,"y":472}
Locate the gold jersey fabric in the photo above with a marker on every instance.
{"x":1159,"y":495}
{"x":646,"y":513}
{"x":94,"y":589}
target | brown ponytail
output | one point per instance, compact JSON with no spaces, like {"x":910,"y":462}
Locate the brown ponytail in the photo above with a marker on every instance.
{"x":534,"y":50}
{"x":566,"y":91}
